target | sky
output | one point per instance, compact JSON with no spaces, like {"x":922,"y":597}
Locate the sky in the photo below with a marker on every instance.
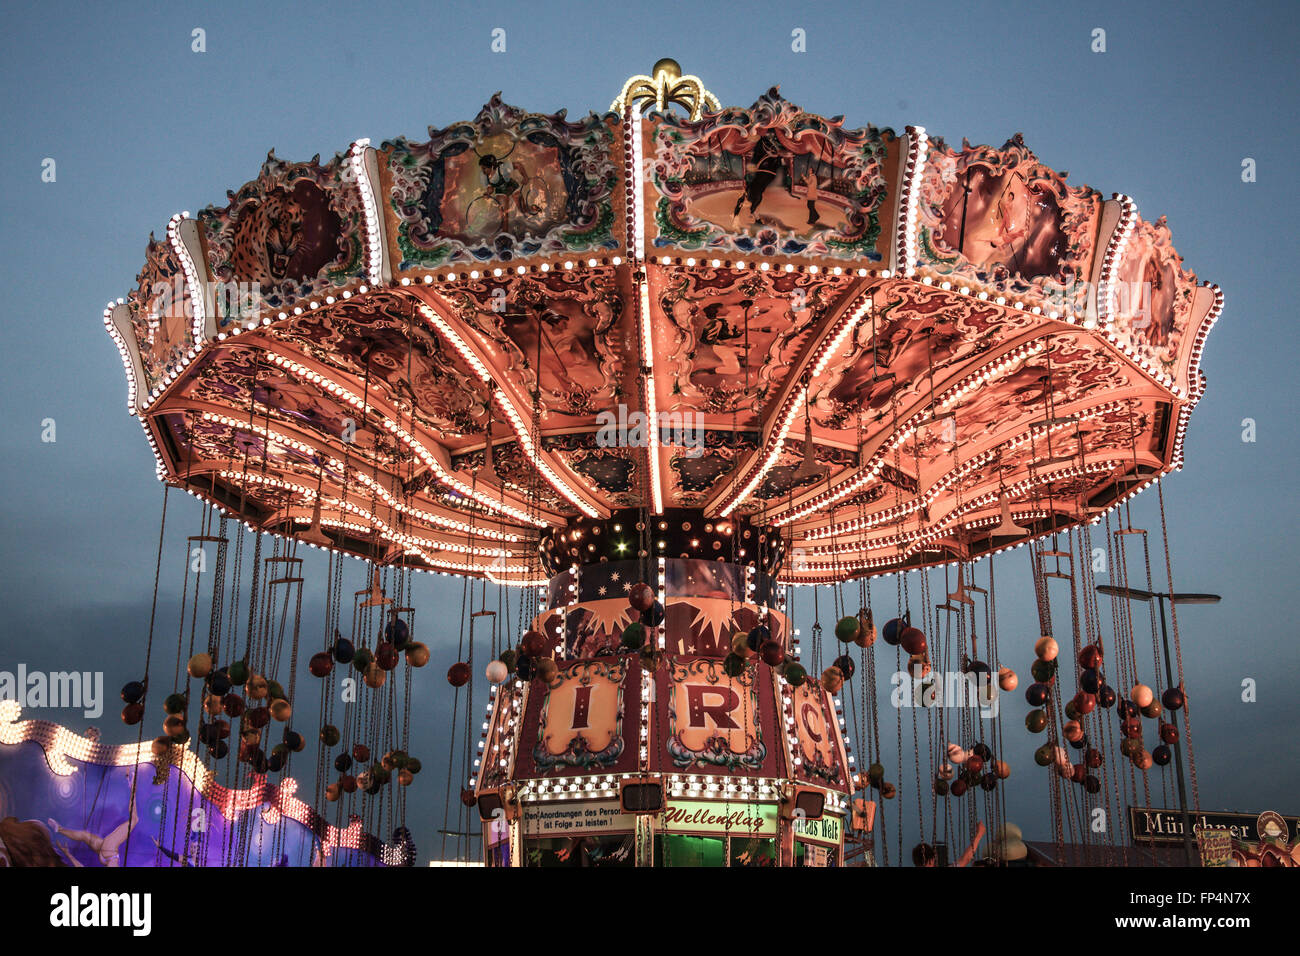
{"x":141,"y":126}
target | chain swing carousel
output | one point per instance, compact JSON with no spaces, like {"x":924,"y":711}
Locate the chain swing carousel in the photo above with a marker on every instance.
{"x":662,"y":384}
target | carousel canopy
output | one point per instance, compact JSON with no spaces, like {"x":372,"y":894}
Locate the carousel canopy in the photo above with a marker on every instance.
{"x":894,"y":350}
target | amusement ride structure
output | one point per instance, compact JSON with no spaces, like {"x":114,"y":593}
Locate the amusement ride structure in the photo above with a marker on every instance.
{"x":640,"y":376}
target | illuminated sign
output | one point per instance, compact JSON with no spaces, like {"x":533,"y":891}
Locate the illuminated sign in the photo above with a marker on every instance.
{"x":828,"y":829}
{"x":1156,"y":825}
{"x":581,"y":721}
{"x":747,"y":819}
{"x":819,"y":760}
{"x":563,"y":819}
{"x":713,"y":717}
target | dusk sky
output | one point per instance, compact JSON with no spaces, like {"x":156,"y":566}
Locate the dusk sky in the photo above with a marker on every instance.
{"x":141,"y":127}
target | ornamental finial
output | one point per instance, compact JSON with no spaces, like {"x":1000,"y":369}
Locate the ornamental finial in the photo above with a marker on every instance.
{"x":667,"y":84}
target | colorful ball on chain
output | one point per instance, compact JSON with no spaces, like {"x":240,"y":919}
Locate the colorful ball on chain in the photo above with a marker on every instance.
{"x":1036,"y":721}
{"x":1089,"y":681}
{"x":1090,"y":657}
{"x":233,"y":705}
{"x":497,"y":672}
{"x":832,"y":680}
{"x":1036,"y":694}
{"x":847,"y":629}
{"x":344,"y":650}
{"x":1141,"y":695}
{"x":524,"y":667}
{"x":845,"y":665}
{"x":132,"y":714}
{"x":1007,"y":679}
{"x":794,"y":673}
{"x":320,"y":664}
{"x":238,"y":672}
{"x":1044,"y":672}
{"x":362,"y":659}
{"x":913,"y":641}
{"x":733,"y":665}
{"x":893,"y":631}
{"x":200,"y":666}
{"x":329,"y":735}
{"x":1046,"y":648}
{"x":653,"y":616}
{"x":255,"y":688}
{"x":545,"y":669}
{"x":132,"y":692}
{"x":219,"y":683}
{"x":396,"y":632}
{"x":458,"y":674}
{"x":867,"y":632}
{"x":1173,"y":698}
{"x":386,"y":656}
{"x":641,"y":596}
{"x":773,"y":653}
{"x":633,"y":635}
{"x":534,"y":644}
{"x":1106,"y":697}
{"x":375,"y":676}
{"x":417,"y":654}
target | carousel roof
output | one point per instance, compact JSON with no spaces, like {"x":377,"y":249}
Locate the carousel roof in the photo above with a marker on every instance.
{"x":895,"y":350}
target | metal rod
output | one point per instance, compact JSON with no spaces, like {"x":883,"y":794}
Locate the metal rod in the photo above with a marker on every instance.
{"x":1178,"y":745}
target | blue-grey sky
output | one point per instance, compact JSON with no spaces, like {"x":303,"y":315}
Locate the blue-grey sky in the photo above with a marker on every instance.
{"x":141,"y":127}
